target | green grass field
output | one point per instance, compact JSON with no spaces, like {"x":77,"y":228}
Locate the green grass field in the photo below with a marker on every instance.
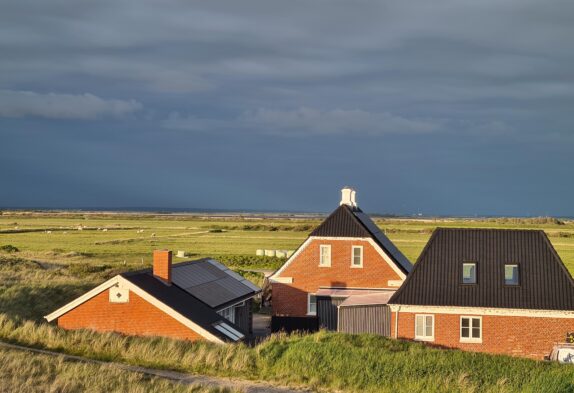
{"x":117,"y":239}
{"x":46,"y":261}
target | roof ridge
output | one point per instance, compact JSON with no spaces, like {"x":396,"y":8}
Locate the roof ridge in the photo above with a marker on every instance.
{"x":488,"y":229}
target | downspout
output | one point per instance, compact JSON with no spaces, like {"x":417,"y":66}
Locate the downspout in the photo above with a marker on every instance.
{"x":397,"y":322}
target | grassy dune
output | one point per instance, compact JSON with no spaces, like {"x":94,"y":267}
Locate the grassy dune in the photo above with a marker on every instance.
{"x":31,"y":373}
{"x":323,"y":361}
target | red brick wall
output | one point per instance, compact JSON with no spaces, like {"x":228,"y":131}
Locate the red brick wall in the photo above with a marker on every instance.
{"x":138,"y":317}
{"x":308,"y":276}
{"x":517,"y":336}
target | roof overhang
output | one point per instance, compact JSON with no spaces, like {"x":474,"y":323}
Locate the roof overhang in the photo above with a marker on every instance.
{"x":507,"y":312}
{"x":118,"y":280}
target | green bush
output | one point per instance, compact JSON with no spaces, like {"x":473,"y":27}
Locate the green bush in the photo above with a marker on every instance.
{"x":9,"y":248}
{"x":84,"y":269}
{"x":250,"y":261}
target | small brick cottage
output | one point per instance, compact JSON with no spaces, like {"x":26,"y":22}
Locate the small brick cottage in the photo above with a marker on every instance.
{"x":196,"y":300}
{"x":346,"y":256}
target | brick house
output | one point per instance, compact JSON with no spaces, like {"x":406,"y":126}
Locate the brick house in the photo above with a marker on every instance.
{"x":195,"y":300}
{"x":486,"y":290}
{"x":346,"y":255}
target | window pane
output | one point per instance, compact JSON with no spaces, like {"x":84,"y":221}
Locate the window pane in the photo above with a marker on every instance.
{"x":312,"y":304}
{"x":464,"y":332}
{"x":429,"y":326}
{"x":419,"y":326}
{"x":325,"y":255}
{"x":464,"y":322}
{"x":357,"y":251}
{"x":511,"y":274}
{"x":469,"y":273}
{"x":475,"y":332}
{"x":476,"y":323}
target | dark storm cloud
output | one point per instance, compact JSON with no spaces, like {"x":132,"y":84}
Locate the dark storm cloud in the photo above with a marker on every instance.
{"x":415,"y":78}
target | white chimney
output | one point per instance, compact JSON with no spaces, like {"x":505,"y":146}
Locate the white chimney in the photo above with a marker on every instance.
{"x":348,"y":197}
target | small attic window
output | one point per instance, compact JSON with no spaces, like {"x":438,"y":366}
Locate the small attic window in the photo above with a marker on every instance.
{"x":511,"y":276}
{"x":469,"y":273}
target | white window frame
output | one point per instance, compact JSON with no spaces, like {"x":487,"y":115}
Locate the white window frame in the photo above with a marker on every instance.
{"x":353,"y":256}
{"x":470,"y":339}
{"x":475,"y":273}
{"x":424,"y":338}
{"x":228,"y":313}
{"x":321,"y":248}
{"x":309,"y":312}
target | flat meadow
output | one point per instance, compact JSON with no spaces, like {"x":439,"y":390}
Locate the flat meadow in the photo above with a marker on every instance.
{"x":49,"y":258}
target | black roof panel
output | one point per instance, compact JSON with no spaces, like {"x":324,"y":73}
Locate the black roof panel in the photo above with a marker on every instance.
{"x":352,"y":222}
{"x":545,"y":283}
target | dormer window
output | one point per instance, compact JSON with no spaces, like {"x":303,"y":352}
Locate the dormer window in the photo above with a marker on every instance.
{"x":469,"y":273}
{"x":511,"y":274}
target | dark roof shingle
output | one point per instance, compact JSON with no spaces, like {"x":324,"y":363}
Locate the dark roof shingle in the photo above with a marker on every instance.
{"x":352,"y":222}
{"x":198,"y":289}
{"x":545,"y":283}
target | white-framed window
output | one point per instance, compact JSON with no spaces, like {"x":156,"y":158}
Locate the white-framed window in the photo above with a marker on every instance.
{"x":311,"y":304}
{"x":228,"y":313}
{"x":357,"y":256}
{"x":325,"y":255}
{"x":471,"y":329}
{"x":424,"y":327}
{"x":469,"y":273}
{"x":511,"y":274}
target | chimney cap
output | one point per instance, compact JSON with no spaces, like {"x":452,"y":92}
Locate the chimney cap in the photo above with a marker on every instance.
{"x":348,"y":197}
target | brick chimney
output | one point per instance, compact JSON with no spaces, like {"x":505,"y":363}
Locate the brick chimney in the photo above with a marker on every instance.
{"x":162,"y":265}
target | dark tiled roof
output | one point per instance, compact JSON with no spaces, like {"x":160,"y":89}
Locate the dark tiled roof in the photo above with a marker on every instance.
{"x":180,"y":301}
{"x":545,"y":284}
{"x":198,"y":289}
{"x":352,"y":222}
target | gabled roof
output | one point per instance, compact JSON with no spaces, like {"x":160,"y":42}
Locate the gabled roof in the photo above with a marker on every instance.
{"x":186,"y":305}
{"x":348,"y":221}
{"x":545,"y":283}
{"x":192,"y":300}
{"x":209,"y":281}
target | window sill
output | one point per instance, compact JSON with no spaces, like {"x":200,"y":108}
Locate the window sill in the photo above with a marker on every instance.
{"x":356,"y":266}
{"x":324,"y":265}
{"x":426,"y":339}
{"x":471,"y":340}
{"x":311,"y":314}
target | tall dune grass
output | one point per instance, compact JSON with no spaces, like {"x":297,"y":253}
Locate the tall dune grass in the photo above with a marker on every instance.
{"x":31,"y":373}
{"x":325,"y":361}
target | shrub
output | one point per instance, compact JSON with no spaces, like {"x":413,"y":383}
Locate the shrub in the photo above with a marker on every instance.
{"x":9,"y":248}
{"x":84,"y":269}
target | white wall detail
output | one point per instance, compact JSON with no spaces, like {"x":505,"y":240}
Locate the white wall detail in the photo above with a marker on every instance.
{"x":119,"y":295}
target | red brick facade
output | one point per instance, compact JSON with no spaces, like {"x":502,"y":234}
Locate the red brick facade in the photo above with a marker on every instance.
{"x":531,"y":337}
{"x":308,"y":276}
{"x":137,"y":317}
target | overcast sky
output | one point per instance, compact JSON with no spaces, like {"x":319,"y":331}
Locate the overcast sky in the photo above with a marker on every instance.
{"x":433,"y":107}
